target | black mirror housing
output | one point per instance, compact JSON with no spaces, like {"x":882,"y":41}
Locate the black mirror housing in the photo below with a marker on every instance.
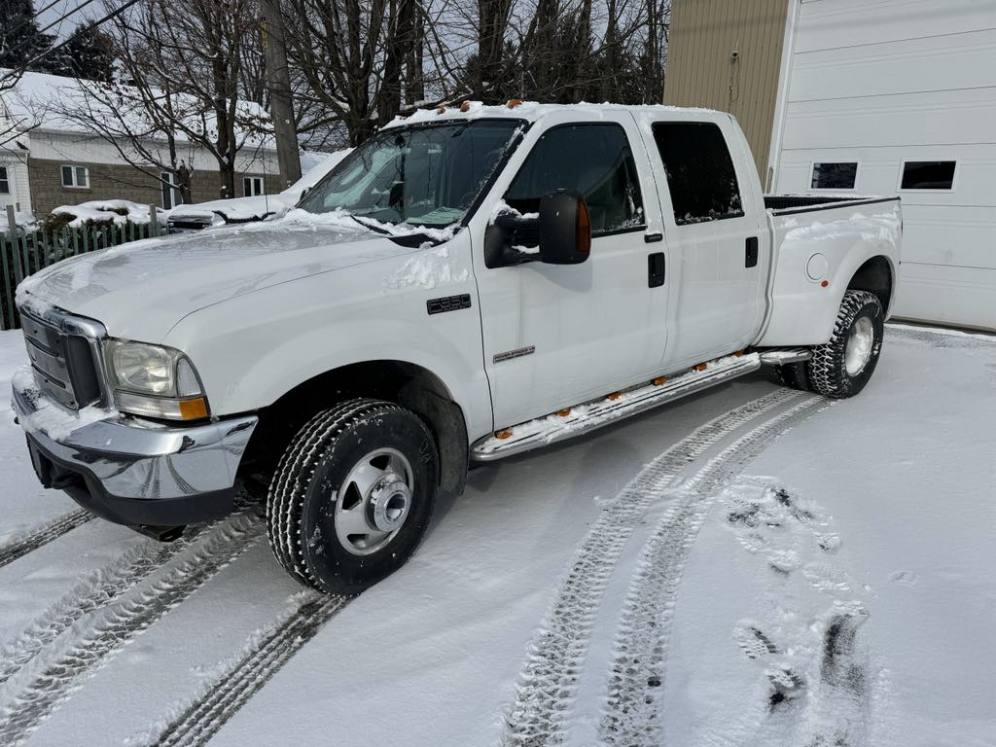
{"x":564,"y":229}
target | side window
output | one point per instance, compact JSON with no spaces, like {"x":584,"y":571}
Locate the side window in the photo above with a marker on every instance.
{"x":834,"y":175}
{"x":700,"y":173}
{"x":4,"y":181}
{"x":593,"y":159}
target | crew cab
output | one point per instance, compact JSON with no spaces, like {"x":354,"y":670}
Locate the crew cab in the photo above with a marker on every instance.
{"x":470,"y":283}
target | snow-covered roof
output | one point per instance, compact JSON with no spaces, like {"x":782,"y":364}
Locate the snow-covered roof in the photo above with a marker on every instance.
{"x":43,"y":101}
{"x":531,"y":111}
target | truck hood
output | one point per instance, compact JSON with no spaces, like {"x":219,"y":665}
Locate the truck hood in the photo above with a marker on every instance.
{"x":142,"y":289}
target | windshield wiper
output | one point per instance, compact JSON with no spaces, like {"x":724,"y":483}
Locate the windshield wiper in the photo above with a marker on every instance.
{"x":377,"y":228}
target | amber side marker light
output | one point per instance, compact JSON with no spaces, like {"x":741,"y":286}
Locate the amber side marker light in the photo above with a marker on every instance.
{"x":564,"y":413}
{"x":583,"y":228}
{"x":502,"y":435}
{"x":614,"y":396}
{"x":193,"y":409}
{"x":660,"y":380}
{"x":824,"y":284}
{"x":701,"y":367}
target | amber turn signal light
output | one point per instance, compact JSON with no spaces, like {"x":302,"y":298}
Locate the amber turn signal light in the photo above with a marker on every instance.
{"x":193,"y":409}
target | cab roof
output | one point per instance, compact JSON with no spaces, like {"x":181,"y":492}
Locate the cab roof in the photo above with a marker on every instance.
{"x":532,"y":111}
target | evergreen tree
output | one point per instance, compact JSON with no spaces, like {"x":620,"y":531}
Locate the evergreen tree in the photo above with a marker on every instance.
{"x":88,"y":54}
{"x":20,"y":38}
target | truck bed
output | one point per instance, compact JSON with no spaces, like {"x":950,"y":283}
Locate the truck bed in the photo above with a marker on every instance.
{"x":788,"y":204}
{"x":819,"y":242}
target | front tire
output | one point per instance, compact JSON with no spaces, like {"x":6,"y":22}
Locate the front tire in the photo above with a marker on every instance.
{"x":352,"y":495}
{"x":841,"y":367}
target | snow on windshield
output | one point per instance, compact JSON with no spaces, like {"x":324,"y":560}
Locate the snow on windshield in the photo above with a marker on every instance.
{"x":420,"y":176}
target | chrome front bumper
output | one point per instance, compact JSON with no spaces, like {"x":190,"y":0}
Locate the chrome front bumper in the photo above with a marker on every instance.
{"x":134,"y":471}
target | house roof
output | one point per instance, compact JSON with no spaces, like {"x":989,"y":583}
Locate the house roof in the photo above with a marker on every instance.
{"x":47,"y":103}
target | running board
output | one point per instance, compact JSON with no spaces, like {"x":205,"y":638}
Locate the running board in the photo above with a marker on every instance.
{"x":781,"y":356}
{"x":590,"y":416}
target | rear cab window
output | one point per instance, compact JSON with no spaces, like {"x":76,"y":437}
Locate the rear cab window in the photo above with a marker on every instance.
{"x":701,"y":177}
{"x":594,"y":160}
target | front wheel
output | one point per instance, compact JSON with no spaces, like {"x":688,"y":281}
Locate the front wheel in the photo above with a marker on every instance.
{"x":352,"y":495}
{"x":841,"y":367}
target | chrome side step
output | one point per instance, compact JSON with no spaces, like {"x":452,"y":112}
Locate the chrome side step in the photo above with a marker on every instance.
{"x":617,"y":406}
{"x":781,"y":356}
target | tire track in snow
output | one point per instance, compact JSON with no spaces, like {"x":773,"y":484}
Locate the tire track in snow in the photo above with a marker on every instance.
{"x":30,"y":696}
{"x":41,"y":536}
{"x":95,"y":591}
{"x":232,"y":687}
{"x":549,"y":678}
{"x":634,"y":712}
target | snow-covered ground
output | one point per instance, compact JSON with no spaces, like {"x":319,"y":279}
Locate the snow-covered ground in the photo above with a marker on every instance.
{"x":750,"y":566}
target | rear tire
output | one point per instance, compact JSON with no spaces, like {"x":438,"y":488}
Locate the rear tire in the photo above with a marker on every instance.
{"x":792,"y":375}
{"x":843,"y":366}
{"x":352,"y":495}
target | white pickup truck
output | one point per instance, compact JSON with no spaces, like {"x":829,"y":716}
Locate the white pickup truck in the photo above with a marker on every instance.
{"x":468,"y":284}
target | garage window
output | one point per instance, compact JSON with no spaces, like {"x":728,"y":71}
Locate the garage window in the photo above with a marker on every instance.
{"x":4,"y":181}
{"x":836,"y":175}
{"x":928,"y":175}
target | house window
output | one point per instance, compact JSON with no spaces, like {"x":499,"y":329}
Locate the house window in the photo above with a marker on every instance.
{"x":4,"y":181}
{"x":168,"y":190}
{"x":928,"y":175}
{"x":75,"y":177}
{"x":252,"y":186}
{"x":700,"y":173}
{"x":834,"y":175}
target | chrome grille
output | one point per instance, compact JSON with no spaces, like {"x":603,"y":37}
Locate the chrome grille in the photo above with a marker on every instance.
{"x":63,"y":363}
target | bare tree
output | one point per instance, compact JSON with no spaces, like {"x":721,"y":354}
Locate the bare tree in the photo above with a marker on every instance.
{"x":182,"y":70}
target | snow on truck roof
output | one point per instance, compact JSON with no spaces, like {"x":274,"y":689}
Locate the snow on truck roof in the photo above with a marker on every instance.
{"x":533,"y":111}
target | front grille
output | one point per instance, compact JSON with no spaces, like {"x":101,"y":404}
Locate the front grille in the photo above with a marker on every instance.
{"x":63,"y":363}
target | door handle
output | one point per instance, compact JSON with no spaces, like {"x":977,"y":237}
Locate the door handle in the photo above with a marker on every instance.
{"x":656,"y":269}
{"x":750,"y":257}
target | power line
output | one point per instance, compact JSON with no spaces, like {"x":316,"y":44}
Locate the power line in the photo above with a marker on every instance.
{"x":58,"y":21}
{"x":94,"y":25}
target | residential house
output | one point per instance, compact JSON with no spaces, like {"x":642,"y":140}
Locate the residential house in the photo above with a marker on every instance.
{"x":52,"y":159}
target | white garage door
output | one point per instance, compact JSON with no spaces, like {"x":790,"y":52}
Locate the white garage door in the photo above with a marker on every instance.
{"x":900,"y":95}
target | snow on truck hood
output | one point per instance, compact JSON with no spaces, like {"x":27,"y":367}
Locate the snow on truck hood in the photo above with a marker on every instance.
{"x":142,"y":289}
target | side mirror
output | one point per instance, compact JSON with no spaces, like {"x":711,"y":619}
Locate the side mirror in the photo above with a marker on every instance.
{"x":560,"y":234}
{"x":564,"y":229}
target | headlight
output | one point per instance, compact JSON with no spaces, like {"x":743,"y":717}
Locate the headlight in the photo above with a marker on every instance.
{"x":154,"y":381}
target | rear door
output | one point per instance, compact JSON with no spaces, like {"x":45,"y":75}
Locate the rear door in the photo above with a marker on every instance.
{"x":557,"y":335}
{"x":716,"y":230}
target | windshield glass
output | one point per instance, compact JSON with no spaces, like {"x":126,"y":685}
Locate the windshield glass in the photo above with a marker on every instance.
{"x":422,"y":176}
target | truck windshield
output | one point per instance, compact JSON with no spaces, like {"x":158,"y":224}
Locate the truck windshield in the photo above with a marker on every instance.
{"x":421,"y":176}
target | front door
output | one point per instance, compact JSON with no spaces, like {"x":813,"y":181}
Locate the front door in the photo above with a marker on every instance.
{"x":558,"y":335}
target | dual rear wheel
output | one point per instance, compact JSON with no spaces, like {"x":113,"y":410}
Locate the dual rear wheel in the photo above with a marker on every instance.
{"x":842,"y":366}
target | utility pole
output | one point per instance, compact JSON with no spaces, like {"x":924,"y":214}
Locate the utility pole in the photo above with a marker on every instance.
{"x":279,"y":88}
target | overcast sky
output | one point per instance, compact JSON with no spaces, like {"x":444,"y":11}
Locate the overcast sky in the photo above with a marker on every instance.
{"x":60,"y":8}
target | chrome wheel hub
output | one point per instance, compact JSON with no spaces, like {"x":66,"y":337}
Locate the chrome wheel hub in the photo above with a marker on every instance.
{"x":860,"y":341}
{"x":374,"y":501}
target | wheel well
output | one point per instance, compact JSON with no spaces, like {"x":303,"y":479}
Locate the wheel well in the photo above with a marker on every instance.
{"x":405,"y":383}
{"x":874,"y":276}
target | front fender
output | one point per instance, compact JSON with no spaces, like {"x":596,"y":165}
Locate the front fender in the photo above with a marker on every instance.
{"x":253,"y":349}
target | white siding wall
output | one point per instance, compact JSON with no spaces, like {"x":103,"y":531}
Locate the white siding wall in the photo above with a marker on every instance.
{"x":883,"y":81}
{"x":19,"y":195}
